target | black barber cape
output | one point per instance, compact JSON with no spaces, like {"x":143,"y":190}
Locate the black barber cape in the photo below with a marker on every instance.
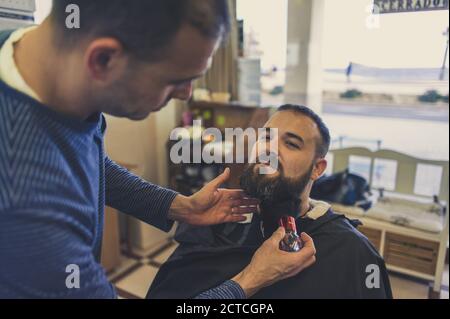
{"x":209,"y":256}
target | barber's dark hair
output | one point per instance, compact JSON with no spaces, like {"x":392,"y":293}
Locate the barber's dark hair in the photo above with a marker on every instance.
{"x":323,"y":145}
{"x":144,"y":27}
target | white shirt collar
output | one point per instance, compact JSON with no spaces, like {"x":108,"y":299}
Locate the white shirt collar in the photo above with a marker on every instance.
{"x":9,"y":73}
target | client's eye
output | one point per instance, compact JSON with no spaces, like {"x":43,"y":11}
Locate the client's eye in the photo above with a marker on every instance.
{"x":292,"y":145}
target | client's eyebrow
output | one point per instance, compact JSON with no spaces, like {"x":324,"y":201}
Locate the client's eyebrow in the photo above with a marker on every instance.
{"x":295,"y":136}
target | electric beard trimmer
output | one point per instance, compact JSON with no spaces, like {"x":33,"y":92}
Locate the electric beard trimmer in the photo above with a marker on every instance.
{"x":291,"y":242}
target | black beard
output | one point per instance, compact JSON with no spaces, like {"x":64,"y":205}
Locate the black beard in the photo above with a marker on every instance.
{"x":278,"y":196}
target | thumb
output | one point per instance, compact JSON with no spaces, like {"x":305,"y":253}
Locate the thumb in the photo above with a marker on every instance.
{"x":278,"y":236}
{"x":221,"y":178}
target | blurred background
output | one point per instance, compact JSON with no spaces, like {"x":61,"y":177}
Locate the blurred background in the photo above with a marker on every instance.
{"x":375,"y":70}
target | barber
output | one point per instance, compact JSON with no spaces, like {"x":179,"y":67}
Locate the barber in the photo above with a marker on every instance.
{"x":128,"y":59}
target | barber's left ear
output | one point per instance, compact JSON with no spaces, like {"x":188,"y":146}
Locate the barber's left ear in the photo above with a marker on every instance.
{"x":104,"y":58}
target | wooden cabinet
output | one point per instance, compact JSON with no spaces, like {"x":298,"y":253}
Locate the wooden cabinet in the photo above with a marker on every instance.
{"x":411,"y":253}
{"x":111,"y":240}
{"x":374,"y":236}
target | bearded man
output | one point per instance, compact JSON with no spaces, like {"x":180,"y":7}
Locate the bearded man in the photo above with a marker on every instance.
{"x":347,"y":264}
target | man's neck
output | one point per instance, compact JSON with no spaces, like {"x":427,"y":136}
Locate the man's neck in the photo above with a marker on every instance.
{"x":305,"y":206}
{"x":43,"y":69}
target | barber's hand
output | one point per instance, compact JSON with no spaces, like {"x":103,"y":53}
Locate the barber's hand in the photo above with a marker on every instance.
{"x":211,"y":205}
{"x":270,"y":264}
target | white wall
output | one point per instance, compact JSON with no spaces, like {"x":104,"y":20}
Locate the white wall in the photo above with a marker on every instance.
{"x":143,"y":144}
{"x":43,"y":8}
{"x":304,"y":62}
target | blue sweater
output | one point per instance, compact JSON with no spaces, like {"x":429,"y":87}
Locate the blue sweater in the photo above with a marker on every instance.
{"x":55,"y":181}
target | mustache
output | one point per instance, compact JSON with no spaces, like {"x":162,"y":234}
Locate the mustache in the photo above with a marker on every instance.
{"x":270,"y":160}
{"x":277,"y":189}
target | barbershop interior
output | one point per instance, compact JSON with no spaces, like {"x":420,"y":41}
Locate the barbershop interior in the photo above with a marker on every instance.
{"x":372,"y":73}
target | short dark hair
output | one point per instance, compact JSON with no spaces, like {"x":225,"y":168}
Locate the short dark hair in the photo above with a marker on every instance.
{"x":144,"y":27}
{"x":322,"y":146}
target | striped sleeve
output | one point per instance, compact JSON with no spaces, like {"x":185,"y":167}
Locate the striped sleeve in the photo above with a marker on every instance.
{"x":228,"y":290}
{"x":132,"y":195}
{"x":41,"y":246}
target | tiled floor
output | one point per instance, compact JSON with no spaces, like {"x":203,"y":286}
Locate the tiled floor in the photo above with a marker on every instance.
{"x":138,"y":282}
{"x":134,"y":277}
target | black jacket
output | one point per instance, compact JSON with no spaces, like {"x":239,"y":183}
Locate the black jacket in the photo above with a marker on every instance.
{"x":209,"y":256}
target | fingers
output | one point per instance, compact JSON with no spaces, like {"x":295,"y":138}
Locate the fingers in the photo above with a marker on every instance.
{"x":239,"y":196}
{"x":278,"y":236}
{"x":308,"y":243}
{"x":306,"y":257}
{"x":221,"y":179}
{"x":311,"y":261}
{"x":307,"y":239}
{"x":233,"y":193}
{"x":246,"y":202}
{"x":238,"y":203}
{"x":244,"y":206}
{"x":244,"y":210}
{"x":235,"y":219}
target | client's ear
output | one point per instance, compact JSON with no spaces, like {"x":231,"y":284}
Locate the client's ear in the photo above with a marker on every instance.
{"x":319,"y":169}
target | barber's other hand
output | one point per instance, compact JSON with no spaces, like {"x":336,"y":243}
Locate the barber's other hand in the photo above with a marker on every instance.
{"x":270,"y":264}
{"x":212,"y":205}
